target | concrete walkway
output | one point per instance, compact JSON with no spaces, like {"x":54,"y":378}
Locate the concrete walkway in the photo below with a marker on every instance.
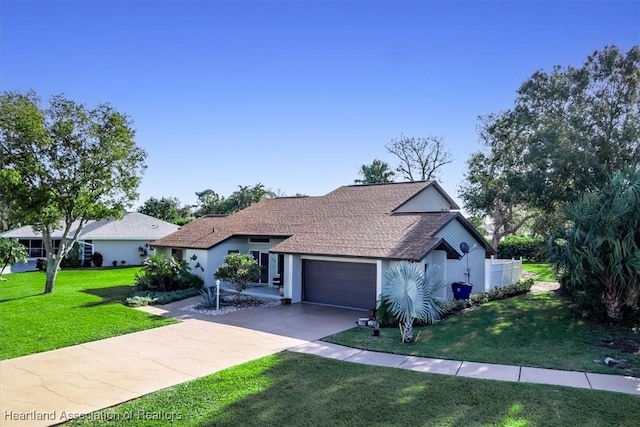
{"x":47,"y":388}
{"x":487,"y":371}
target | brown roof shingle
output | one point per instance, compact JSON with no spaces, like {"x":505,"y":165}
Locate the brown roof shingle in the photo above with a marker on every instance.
{"x":356,"y":221}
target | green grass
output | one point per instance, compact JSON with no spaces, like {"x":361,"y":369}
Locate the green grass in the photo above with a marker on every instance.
{"x":86,"y":305}
{"x":543,"y":272}
{"x":531,"y":330}
{"x":302,"y":390}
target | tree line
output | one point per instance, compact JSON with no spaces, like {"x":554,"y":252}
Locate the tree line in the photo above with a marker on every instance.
{"x":209,"y":202}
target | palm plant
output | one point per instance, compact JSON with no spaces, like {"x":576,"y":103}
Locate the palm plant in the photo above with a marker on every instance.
{"x":410,"y":294}
{"x":597,"y":253}
{"x":375,"y":173}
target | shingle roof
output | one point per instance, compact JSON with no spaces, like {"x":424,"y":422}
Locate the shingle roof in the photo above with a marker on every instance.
{"x":355,"y":221}
{"x":132,"y":226}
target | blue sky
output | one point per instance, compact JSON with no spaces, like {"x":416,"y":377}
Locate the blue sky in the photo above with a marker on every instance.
{"x":296,"y":95}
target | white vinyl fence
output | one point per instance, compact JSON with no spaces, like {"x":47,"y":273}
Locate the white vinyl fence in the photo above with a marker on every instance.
{"x":501,"y":272}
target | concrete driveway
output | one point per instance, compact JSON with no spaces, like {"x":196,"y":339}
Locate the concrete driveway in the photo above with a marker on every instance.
{"x":47,"y":388}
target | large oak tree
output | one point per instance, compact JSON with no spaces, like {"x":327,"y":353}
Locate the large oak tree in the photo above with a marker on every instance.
{"x":64,"y":165}
{"x":568,"y":130}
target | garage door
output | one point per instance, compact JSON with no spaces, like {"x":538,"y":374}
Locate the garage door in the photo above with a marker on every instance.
{"x":348,"y":284}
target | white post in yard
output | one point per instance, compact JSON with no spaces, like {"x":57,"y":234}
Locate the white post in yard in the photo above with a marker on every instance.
{"x":218,"y":295}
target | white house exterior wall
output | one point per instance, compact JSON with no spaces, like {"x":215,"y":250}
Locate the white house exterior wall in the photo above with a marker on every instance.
{"x":433,"y":258}
{"x":455,"y":233}
{"x":293,"y":277}
{"x":119,"y":250}
{"x":201,"y":256}
{"x":439,"y":259}
{"x":215,"y":257}
{"x":428,"y":200}
{"x":20,"y":267}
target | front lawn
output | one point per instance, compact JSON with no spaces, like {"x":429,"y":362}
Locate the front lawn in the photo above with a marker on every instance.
{"x":531,"y":330}
{"x":86,"y":305}
{"x":289,"y":389}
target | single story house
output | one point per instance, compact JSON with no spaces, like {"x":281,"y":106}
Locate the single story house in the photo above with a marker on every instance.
{"x":127,"y":239}
{"x":334,"y":249}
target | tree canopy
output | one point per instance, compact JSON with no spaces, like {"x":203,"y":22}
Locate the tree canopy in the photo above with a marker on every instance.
{"x":8,"y":218}
{"x":210,"y":202}
{"x":64,"y":165}
{"x":375,"y":173}
{"x":576,"y":126}
{"x":568,"y":130}
{"x":489,"y":189}
{"x":165,"y":208}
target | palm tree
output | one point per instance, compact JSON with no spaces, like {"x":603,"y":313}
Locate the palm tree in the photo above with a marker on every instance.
{"x":598,"y":252}
{"x":375,"y":173}
{"x":410,"y":294}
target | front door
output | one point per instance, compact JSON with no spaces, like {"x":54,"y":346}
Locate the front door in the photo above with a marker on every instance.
{"x":262,"y":258}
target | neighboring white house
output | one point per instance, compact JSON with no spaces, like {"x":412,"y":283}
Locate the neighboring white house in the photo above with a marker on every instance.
{"x":127,"y":239}
{"x":334,"y":249}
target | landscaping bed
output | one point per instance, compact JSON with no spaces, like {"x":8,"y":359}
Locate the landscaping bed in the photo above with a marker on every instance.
{"x":230,"y":304}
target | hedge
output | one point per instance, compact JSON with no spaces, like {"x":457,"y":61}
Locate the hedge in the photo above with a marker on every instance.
{"x":528,"y":248}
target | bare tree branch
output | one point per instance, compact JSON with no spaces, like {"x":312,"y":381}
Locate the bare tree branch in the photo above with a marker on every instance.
{"x":421,"y":157}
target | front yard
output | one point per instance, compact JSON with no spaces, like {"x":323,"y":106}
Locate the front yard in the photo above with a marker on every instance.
{"x":86,"y":305}
{"x":298,"y":389}
{"x":292,"y":389}
{"x":534,"y":330}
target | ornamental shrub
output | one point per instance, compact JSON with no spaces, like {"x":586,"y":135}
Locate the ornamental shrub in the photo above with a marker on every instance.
{"x":238,"y":269}
{"x":161,"y":273}
{"x":97,"y":259}
{"x":141,"y":298}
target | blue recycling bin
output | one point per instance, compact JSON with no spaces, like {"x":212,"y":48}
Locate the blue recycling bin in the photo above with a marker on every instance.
{"x":461,"y":290}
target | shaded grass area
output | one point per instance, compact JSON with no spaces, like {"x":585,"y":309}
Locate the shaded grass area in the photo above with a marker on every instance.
{"x":543,"y":272}
{"x":291,"y":389}
{"x":531,"y":330}
{"x":86,"y":305}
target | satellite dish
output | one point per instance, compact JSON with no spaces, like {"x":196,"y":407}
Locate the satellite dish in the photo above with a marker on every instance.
{"x":464,"y":247}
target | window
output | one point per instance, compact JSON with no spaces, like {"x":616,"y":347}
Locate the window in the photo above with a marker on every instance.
{"x":258,"y":240}
{"x":233,"y":251}
{"x":177,"y":254}
{"x":35,"y":247}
